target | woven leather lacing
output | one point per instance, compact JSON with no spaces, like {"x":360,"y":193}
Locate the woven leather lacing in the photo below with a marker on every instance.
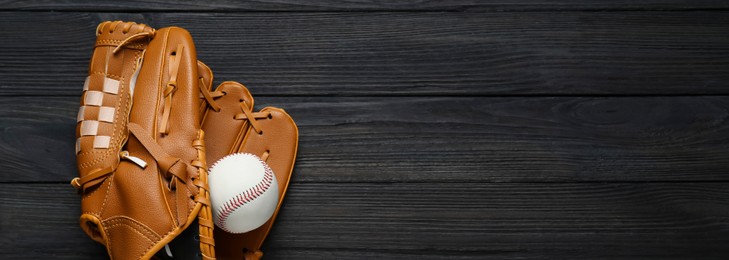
{"x":205,"y":216}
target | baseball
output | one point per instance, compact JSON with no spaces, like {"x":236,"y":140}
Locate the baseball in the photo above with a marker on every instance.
{"x":243,"y":192}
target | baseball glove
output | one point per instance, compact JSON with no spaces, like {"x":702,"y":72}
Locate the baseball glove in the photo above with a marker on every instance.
{"x":271,"y":134}
{"x":140,"y":150}
{"x":146,"y":113}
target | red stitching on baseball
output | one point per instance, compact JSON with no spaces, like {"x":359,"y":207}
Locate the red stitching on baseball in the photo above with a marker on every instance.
{"x":245,"y":196}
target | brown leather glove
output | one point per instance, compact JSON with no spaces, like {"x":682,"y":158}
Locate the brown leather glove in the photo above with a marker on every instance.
{"x":140,"y":146}
{"x":232,"y":126}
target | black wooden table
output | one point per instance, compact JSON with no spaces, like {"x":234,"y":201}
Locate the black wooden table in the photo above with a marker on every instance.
{"x":459,"y":129}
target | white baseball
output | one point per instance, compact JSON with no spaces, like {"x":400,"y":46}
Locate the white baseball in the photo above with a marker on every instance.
{"x":243,"y":192}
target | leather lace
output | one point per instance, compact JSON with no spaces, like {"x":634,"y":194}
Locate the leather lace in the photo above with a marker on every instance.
{"x":253,"y":255}
{"x":164,"y":127}
{"x":176,"y":170}
{"x":251,"y":116}
{"x":130,"y":39}
{"x":92,"y":179}
{"x":210,"y":96}
{"x":169,"y":165}
{"x":205,"y":216}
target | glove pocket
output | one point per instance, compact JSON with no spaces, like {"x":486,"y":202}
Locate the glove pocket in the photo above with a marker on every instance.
{"x":273,"y":136}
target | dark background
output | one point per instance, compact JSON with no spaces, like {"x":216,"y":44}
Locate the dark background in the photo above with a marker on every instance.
{"x":533,"y":129}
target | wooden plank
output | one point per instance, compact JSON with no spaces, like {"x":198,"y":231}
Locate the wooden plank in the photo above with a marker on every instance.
{"x":340,"y":5}
{"x":41,"y":222}
{"x":449,"y":139}
{"x":432,"y":221}
{"x":403,"y":53}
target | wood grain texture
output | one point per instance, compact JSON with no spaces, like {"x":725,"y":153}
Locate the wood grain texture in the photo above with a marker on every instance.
{"x":368,"y":5}
{"x":537,"y":139}
{"x":432,"y":221}
{"x":402,"y":54}
{"x":455,"y":129}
